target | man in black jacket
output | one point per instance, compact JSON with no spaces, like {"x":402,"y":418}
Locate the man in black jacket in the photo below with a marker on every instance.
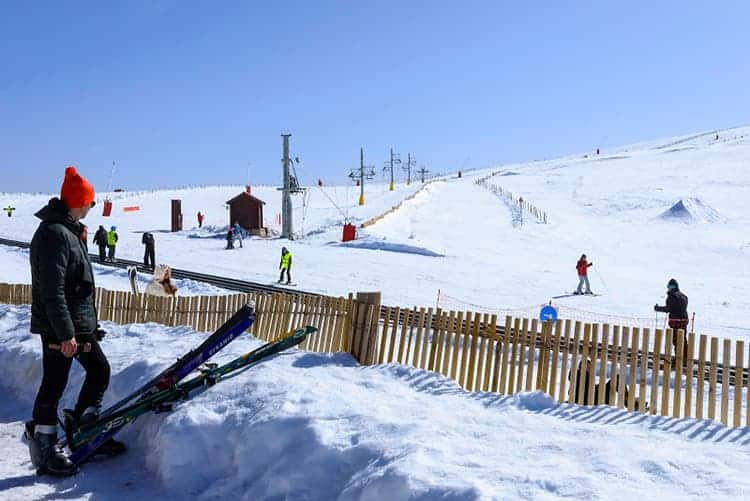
{"x":676,"y":307}
{"x":149,"y":253}
{"x":100,"y":239}
{"x":64,"y":314}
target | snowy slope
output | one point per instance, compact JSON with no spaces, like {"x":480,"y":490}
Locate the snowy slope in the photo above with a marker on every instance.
{"x":644,"y":213}
{"x":316,"y":426}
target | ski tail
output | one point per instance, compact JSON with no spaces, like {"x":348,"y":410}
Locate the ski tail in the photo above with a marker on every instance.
{"x":133,"y":278}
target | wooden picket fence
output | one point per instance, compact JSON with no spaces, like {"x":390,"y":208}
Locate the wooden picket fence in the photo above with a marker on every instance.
{"x":523,"y":205}
{"x":276,"y":314}
{"x":658,"y":377}
{"x":570,"y":360}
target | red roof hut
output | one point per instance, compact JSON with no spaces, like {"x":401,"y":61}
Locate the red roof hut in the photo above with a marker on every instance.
{"x":248,"y":211}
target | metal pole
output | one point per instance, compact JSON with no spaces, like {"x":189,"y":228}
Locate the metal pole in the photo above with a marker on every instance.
{"x":286,"y":197}
{"x":408,"y":171}
{"x":361,"y":176}
{"x":391,"y":187}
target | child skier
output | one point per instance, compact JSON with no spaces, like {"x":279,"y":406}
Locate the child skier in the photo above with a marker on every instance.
{"x":583,"y":277}
{"x":285,"y":265}
{"x":676,"y":307}
{"x":111,"y":243}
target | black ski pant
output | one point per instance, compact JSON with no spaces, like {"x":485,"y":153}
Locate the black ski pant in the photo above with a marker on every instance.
{"x":288,"y":275}
{"x":56,"y":367}
{"x":102,"y":253}
{"x":149,"y":256}
{"x":111,"y":253}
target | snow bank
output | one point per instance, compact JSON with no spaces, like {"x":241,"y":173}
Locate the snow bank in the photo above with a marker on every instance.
{"x":691,"y":210}
{"x":385,"y":245}
{"x":317,"y":426}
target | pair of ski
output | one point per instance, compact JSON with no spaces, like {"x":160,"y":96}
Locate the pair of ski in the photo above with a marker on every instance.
{"x":161,"y":392}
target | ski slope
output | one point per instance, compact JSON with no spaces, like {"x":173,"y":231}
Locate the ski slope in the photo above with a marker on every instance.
{"x":317,"y":426}
{"x":643,"y":214}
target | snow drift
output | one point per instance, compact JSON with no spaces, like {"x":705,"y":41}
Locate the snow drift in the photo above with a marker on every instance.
{"x":691,"y":210}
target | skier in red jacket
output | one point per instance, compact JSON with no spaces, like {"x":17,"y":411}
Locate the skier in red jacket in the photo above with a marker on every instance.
{"x":582,"y":267}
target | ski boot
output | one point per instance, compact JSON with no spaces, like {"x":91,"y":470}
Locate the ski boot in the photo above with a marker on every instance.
{"x":46,"y":456}
{"x":72,"y":424}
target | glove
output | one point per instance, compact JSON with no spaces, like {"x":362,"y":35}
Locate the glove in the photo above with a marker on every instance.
{"x":99,"y":333}
{"x":656,"y":307}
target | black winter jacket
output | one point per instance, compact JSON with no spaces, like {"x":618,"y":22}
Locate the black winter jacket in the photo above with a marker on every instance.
{"x":147,"y":239}
{"x":62,"y":282}
{"x":677,"y":304}
{"x":100,"y":238}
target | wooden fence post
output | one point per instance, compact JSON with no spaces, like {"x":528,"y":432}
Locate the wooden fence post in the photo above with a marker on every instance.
{"x":364,"y":332}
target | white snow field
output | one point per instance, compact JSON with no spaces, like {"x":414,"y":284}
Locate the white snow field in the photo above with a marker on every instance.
{"x":317,"y":426}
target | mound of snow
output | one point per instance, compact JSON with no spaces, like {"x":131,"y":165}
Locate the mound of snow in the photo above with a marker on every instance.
{"x":690,"y":210}
{"x":533,"y":401}
{"x":385,"y":245}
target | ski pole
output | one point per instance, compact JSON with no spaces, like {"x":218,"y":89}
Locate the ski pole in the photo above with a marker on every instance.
{"x":602,"y":279}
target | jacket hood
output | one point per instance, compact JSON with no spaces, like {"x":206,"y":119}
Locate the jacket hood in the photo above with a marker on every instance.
{"x":57,"y":212}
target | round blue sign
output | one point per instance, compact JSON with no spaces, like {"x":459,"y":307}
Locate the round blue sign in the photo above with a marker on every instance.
{"x":549,"y":312}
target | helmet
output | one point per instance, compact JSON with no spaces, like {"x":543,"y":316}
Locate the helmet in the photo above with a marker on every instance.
{"x":673,"y":284}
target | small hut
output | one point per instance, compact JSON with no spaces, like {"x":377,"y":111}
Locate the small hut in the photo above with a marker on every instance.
{"x":248,"y":211}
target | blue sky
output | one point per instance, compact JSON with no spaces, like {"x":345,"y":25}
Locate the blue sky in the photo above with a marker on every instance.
{"x":187,"y":92}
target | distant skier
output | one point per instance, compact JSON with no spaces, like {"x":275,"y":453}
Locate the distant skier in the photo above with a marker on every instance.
{"x":200,"y":220}
{"x":238,"y":232}
{"x":582,"y":266}
{"x":676,"y":307}
{"x":9,"y":210}
{"x":149,"y":254}
{"x":285,"y":265}
{"x":111,"y":243}
{"x":100,"y":239}
{"x":64,"y":314}
{"x":230,"y":239}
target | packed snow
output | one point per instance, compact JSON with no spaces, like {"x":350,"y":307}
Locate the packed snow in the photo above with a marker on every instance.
{"x":317,"y":426}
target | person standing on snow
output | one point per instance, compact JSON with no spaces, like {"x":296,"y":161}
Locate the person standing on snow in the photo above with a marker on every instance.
{"x":111,"y":243}
{"x":100,"y":239}
{"x":285,"y":265}
{"x":230,"y":239}
{"x":200,"y":220}
{"x":676,"y":307}
{"x":582,"y":266}
{"x":149,"y":254}
{"x":238,"y":232}
{"x":64,"y":314}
